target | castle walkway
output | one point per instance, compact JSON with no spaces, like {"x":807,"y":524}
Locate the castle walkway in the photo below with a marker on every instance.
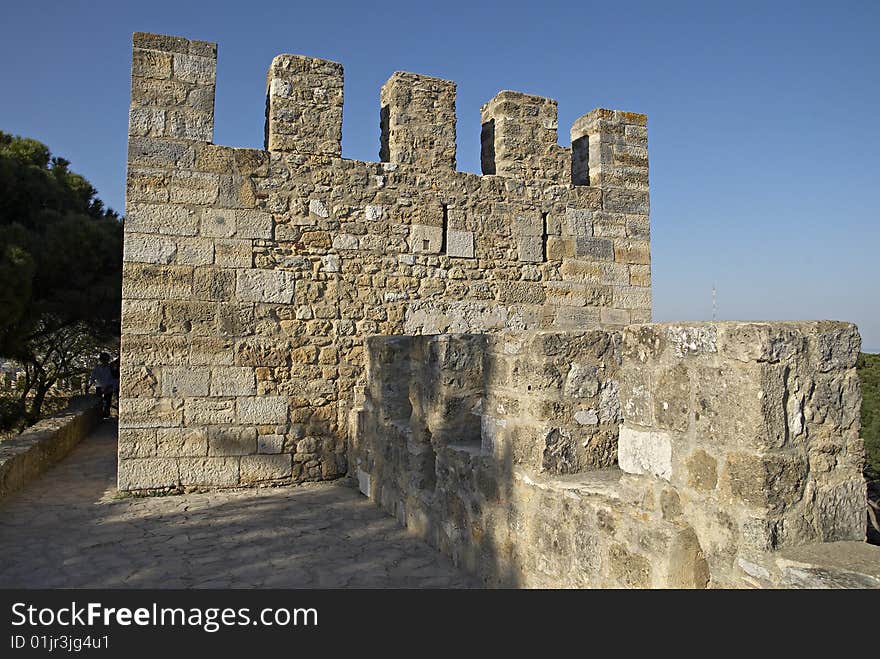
{"x":72,"y":529}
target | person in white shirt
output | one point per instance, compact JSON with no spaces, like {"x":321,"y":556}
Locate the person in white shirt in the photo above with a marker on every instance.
{"x":105,"y":383}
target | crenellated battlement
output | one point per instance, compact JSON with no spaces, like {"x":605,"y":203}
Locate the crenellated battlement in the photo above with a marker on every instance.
{"x":253,"y":276}
{"x":304,"y":102}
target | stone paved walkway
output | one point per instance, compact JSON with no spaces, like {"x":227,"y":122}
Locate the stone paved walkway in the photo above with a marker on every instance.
{"x":70,"y":529}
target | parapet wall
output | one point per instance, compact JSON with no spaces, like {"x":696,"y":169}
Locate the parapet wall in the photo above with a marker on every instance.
{"x":24,"y":457}
{"x":738,"y":453}
{"x":252,"y":277}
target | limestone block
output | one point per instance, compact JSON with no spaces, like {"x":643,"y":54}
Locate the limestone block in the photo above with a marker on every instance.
{"x":257,"y":468}
{"x":141,"y":316}
{"x":194,"y":188}
{"x":559,"y":248}
{"x":210,"y":351}
{"x":181,"y":442}
{"x":147,"y":185}
{"x":772,"y":481}
{"x":156,"y":281}
{"x":586,"y":417}
{"x":577,"y":317}
{"x":146,"y":122}
{"x":207,"y":411}
{"x":253,"y":224}
{"x":614,"y":316}
{"x":137,"y":443}
{"x":460,"y":243}
{"x":232,"y":440}
{"x":188,"y":124}
{"x":150,"y":152}
{"x":218,"y":222}
{"x":530,"y":249}
{"x":162,"y":219}
{"x":632,"y":251}
{"x":331,"y":263}
{"x":317,"y":208}
{"x":276,"y":286}
{"x":581,"y":381}
{"x":599,"y":249}
{"x":270,"y":443}
{"x":645,"y":452}
{"x":185,"y":381}
{"x":150,"y":64}
{"x":425,"y":239}
{"x":622,"y":200}
{"x":141,"y":349}
{"x":210,"y":472}
{"x":233,"y":381}
{"x":262,"y":409}
{"x":528,"y":225}
{"x":345,"y":241}
{"x":233,"y":253}
{"x":578,"y":222}
{"x":150,"y":413}
{"x":147,"y":473}
{"x":198,"y":70}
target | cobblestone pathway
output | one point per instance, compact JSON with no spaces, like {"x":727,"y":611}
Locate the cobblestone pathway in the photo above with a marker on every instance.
{"x":70,"y":529}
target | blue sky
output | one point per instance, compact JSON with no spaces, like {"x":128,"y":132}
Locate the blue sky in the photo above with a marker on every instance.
{"x":762,"y":131}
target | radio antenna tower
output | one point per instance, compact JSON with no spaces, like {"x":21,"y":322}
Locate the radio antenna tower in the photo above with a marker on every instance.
{"x":714,"y":302}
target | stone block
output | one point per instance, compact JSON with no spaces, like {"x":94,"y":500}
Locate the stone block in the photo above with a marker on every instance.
{"x":596,"y":249}
{"x":196,"y":188}
{"x":233,"y":253}
{"x":460,"y":243}
{"x":181,"y":442}
{"x":253,"y":224}
{"x":217,"y":222}
{"x":425,"y":239}
{"x":184,"y":381}
{"x":137,"y":443}
{"x":262,"y":410}
{"x":147,"y":473}
{"x":645,"y":452}
{"x":155,"y":281}
{"x":530,"y":249}
{"x":195,"y":69}
{"x":150,"y":412}
{"x":209,"y":472}
{"x":270,"y":443}
{"x":275,"y":286}
{"x":258,"y":468}
{"x":345,"y":241}
{"x":223,"y":441}
{"x":208,"y":411}
{"x":233,"y":381}
{"x":166,"y":219}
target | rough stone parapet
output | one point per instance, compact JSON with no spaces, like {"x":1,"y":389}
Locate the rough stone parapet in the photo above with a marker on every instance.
{"x":25,"y":456}
{"x":738,"y":453}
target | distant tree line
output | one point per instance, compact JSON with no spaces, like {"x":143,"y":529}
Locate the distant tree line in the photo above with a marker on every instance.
{"x":60,"y":273}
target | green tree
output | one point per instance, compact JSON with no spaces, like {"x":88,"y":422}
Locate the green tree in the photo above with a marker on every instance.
{"x":60,"y":269}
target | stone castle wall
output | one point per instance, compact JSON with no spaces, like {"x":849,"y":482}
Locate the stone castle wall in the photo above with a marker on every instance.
{"x":739,"y":443}
{"x":251,"y":278}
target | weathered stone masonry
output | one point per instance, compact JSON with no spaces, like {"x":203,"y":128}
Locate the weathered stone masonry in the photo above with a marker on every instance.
{"x":476,"y":351}
{"x":252,"y":277}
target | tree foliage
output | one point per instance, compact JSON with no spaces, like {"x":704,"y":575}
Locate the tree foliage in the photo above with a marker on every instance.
{"x":869,"y":372}
{"x":60,"y":268}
